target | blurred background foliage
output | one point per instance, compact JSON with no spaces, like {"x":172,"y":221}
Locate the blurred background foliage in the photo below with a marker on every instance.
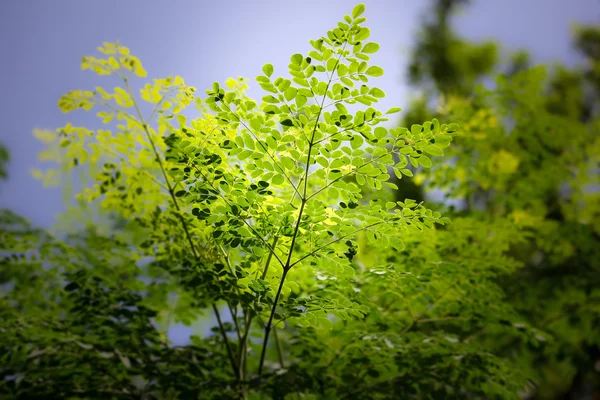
{"x":528,"y":154}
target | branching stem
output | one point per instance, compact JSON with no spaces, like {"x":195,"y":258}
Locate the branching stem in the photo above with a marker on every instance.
{"x":182,"y":219}
{"x":303,"y":198}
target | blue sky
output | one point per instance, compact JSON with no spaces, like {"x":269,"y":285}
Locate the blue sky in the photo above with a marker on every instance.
{"x":43,"y":41}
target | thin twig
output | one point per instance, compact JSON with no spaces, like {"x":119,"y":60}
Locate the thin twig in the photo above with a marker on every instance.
{"x":185,"y":228}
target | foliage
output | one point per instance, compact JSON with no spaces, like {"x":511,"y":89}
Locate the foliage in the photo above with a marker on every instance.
{"x":276,"y":218}
{"x":527,"y":154}
{"x":441,"y":59}
{"x":260,"y":207}
{"x":78,"y":323}
{"x":3,"y":161}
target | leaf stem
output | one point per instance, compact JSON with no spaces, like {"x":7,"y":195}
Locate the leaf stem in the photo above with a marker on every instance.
{"x":264,"y":274}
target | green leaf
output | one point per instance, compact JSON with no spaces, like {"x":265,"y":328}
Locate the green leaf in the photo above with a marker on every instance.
{"x":278,"y":179}
{"x":300,"y":100}
{"x":348,"y":82}
{"x":425,"y":161}
{"x":414,"y":162}
{"x":268,"y":69}
{"x":376,"y":92}
{"x":356,"y":141}
{"x":374,"y":71}
{"x":287,"y":162}
{"x":371,"y":236}
{"x":358,"y":10}
{"x":290,"y":93}
{"x":333,"y":193}
{"x":415,"y":129}
{"x":331,"y":64}
{"x":315,"y":55}
{"x":363,"y":34}
{"x":323,"y":161}
{"x":380,"y":132}
{"x":371,"y":47}
{"x":398,"y":173}
{"x":244,"y":154}
{"x":270,"y":99}
{"x":393,"y":110}
{"x":434,"y":150}
{"x":436,"y":126}
{"x":297,"y":59}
